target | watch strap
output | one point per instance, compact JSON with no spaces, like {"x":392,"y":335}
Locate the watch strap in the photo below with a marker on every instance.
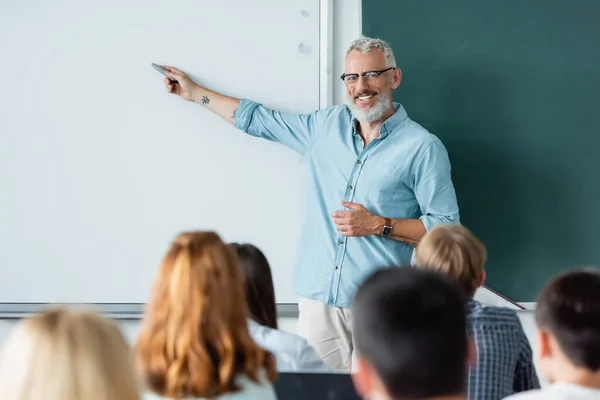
{"x":387,"y":227}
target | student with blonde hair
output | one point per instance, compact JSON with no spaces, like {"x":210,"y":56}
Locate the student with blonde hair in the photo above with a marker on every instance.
{"x":194,"y":341}
{"x":505,"y":363}
{"x":63,"y":354}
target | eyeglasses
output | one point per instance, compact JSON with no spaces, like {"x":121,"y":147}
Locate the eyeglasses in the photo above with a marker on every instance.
{"x":369,"y":75}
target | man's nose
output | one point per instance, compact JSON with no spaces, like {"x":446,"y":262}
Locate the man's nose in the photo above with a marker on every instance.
{"x":362,"y":84}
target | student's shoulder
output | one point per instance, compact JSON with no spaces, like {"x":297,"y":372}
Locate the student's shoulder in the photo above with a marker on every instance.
{"x":529,"y":395}
{"x":251,"y":390}
{"x":493,"y":315}
{"x":292,"y":340}
{"x":276,"y":339}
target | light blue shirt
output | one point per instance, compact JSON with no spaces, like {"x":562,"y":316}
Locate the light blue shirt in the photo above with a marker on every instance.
{"x":405,"y":173}
{"x":249,"y":391}
{"x":292,"y":352}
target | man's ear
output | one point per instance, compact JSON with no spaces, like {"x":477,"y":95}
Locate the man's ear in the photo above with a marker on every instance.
{"x":363,"y":377}
{"x":396,"y":78}
{"x":544,"y":348}
{"x":472,"y":356}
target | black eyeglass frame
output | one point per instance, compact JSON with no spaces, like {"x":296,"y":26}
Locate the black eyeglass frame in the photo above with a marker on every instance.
{"x":343,"y":77}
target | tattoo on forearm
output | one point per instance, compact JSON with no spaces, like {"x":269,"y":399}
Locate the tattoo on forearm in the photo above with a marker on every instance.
{"x":233,"y":116}
{"x":205,"y":100}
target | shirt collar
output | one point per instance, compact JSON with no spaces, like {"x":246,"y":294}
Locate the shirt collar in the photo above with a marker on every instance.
{"x":252,"y":323}
{"x":254,"y":326}
{"x":390,"y":124}
{"x":395,"y":120}
{"x":472,"y":306}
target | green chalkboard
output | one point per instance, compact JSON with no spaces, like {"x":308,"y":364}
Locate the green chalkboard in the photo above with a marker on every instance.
{"x":512,"y":88}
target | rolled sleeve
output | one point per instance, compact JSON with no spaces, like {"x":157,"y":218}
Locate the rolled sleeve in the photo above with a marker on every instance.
{"x":243,"y":114}
{"x":295,"y":131}
{"x":433,"y":187}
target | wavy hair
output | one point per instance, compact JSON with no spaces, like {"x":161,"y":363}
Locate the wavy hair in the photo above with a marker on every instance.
{"x":365,"y":44}
{"x":194,"y":340}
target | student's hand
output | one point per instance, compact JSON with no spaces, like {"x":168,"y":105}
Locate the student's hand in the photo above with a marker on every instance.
{"x":185,"y":86}
{"x":358,"y":221}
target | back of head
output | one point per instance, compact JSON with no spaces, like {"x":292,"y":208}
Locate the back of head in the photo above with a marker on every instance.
{"x":453,"y":250}
{"x":258,"y":283}
{"x":410,"y":328}
{"x":67,"y":355}
{"x":194,"y":340}
{"x":568,"y":307}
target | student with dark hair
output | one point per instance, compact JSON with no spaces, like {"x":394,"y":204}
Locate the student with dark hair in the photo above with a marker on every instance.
{"x":411,"y":341}
{"x":568,"y":319}
{"x":292,"y":352}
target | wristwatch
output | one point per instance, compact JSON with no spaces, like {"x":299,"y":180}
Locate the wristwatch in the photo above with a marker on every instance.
{"x":387,"y":228}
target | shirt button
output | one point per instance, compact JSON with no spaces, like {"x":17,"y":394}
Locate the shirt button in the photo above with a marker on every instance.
{"x":336,"y":267}
{"x":341,"y":242}
{"x":350,"y":187}
{"x":359,"y":162}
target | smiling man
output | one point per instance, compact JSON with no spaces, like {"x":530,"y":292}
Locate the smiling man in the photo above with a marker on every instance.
{"x":377,"y":182}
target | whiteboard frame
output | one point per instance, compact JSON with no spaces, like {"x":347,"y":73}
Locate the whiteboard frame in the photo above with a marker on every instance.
{"x":135,"y":311}
{"x":120,"y":311}
{"x":326,"y":54}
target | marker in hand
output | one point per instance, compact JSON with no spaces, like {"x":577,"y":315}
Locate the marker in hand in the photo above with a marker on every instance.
{"x":163,"y":71}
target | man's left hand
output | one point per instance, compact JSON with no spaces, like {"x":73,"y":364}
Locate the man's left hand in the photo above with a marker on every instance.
{"x":358,"y":221}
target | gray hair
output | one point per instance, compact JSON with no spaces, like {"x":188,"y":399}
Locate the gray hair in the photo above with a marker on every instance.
{"x":366,"y":44}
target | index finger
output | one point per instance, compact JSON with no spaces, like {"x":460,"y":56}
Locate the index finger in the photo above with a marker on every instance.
{"x":172,"y":70}
{"x":339,"y":214}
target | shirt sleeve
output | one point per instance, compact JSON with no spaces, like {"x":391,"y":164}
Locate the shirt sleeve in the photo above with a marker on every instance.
{"x":296,"y":131}
{"x":433,"y":186}
{"x":525,"y":376}
{"x":308,"y":360}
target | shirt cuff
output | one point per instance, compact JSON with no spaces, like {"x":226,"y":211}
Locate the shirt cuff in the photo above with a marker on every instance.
{"x":430,"y":221}
{"x":243,"y":114}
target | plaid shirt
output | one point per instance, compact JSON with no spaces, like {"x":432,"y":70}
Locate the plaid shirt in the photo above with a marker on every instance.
{"x":504,"y":358}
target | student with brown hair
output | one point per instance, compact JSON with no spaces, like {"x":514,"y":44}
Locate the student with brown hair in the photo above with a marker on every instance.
{"x":568,"y":319}
{"x":292,"y":352}
{"x":64,"y":354}
{"x":194,"y":341}
{"x":504,"y":363}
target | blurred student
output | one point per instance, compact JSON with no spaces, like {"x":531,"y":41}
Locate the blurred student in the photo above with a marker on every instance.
{"x":568,"y":318}
{"x":504,"y":359}
{"x":194,"y":341}
{"x":411,"y":341}
{"x":64,"y":354}
{"x":292,"y":352}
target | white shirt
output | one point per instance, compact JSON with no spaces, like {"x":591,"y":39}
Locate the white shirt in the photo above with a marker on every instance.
{"x":292,"y":352}
{"x":559,"y":391}
{"x":250,"y":391}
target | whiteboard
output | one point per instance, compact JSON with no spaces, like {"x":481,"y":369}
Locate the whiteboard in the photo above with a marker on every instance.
{"x":100,"y":168}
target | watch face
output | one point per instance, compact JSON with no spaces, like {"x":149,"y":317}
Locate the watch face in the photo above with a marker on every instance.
{"x":386,"y":231}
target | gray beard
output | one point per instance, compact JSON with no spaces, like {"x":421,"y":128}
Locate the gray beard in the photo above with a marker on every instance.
{"x":374,"y":113}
